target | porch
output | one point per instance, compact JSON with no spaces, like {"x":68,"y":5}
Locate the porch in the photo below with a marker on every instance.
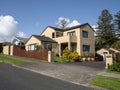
{"x":71,"y":46}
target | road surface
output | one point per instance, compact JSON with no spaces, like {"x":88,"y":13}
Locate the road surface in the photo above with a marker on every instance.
{"x":12,"y":78}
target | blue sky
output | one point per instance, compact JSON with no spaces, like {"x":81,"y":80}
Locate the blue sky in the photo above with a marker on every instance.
{"x":34,"y":15}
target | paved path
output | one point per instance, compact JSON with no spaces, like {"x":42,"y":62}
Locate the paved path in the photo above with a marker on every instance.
{"x":110,"y":74}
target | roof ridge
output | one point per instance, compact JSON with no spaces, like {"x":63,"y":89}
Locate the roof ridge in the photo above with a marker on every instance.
{"x":68,"y":27}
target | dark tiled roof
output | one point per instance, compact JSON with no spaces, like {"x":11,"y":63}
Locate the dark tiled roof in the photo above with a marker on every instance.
{"x":69,"y":28}
{"x":43,"y":38}
{"x":22,"y":39}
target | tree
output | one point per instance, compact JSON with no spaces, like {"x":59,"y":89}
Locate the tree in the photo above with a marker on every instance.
{"x":1,"y":47}
{"x":117,"y":23}
{"x":105,"y":32}
{"x":116,"y":45}
{"x":63,"y":22}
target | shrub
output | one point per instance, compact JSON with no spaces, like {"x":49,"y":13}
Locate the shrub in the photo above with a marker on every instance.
{"x":70,"y":56}
{"x":38,"y":47}
{"x":74,"y":56}
{"x":114,"y":67}
{"x":66,"y":53}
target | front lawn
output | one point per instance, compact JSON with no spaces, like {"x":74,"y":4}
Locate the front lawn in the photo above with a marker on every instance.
{"x":60,"y":59}
{"x":11,"y":61}
{"x":107,"y":82}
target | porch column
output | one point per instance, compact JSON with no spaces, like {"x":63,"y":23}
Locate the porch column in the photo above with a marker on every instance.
{"x":59,"y":49}
{"x":69,"y":42}
{"x":69,"y":46}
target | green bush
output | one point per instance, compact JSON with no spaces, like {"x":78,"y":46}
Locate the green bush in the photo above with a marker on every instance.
{"x":66,"y":53}
{"x":74,"y":56}
{"x":114,"y":67}
{"x":70,"y":56}
{"x":38,"y":47}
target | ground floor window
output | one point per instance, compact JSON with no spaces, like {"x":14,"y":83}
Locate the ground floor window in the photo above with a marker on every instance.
{"x":48,"y":46}
{"x":86,"y":48}
{"x":32,"y":47}
{"x":73,"y":47}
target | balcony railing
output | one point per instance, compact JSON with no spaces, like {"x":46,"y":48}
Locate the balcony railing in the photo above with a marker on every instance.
{"x":67,"y":38}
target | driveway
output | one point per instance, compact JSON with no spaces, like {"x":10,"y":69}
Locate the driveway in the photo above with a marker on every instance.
{"x":78,"y":73}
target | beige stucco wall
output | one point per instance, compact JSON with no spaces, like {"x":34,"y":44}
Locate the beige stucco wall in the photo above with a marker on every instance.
{"x":32,"y":40}
{"x":101,"y":51}
{"x":109,"y":60}
{"x":87,"y":41}
{"x":6,"y":50}
{"x":48,"y":32}
{"x":11,"y":50}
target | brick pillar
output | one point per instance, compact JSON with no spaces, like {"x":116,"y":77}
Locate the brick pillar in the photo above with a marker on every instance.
{"x":109,"y":60}
{"x":50,"y":56}
{"x":59,"y":49}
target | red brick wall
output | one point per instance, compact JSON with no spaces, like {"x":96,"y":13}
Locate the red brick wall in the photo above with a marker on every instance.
{"x":37,"y":54}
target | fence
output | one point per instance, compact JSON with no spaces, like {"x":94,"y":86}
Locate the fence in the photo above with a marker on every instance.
{"x":37,"y":54}
{"x":117,"y":57}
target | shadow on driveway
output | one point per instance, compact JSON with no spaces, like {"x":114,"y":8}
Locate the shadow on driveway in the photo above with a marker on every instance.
{"x":100,"y":65}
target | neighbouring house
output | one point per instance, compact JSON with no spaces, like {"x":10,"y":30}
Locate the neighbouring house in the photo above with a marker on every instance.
{"x":104,"y":52}
{"x":39,"y":41}
{"x":19,"y":41}
{"x":107,"y":51}
{"x":79,"y":38}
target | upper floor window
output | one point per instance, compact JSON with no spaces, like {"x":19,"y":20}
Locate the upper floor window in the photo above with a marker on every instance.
{"x":72,"y":33}
{"x":85,"y":34}
{"x":53,"y":35}
{"x":86,"y":48}
{"x":59,"y":34}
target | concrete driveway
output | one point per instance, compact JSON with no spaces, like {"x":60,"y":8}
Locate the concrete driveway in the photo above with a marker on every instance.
{"x":79,"y":73}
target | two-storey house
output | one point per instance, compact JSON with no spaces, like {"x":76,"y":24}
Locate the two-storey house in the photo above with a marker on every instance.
{"x":79,"y":38}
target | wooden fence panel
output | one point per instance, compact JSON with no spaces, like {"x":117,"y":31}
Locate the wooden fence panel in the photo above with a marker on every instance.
{"x":37,"y":54}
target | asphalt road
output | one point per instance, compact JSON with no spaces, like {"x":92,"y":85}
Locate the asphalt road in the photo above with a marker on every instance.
{"x":12,"y":78}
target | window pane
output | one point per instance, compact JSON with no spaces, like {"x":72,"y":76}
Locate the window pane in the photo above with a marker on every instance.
{"x":53,"y":35}
{"x":85,"y":34}
{"x":86,"y":48}
{"x":72,"y":33}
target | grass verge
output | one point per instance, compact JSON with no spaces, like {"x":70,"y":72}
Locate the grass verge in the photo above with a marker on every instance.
{"x":11,"y":61}
{"x":106,"y":82}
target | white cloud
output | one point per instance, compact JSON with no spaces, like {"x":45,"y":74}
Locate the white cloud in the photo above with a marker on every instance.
{"x":8,"y":27}
{"x":62,"y":18}
{"x":21,"y":34}
{"x":68,"y":22}
{"x":95,"y":29}
{"x":73,"y":23}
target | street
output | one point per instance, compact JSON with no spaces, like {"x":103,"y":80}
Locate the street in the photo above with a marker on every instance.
{"x":12,"y":78}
